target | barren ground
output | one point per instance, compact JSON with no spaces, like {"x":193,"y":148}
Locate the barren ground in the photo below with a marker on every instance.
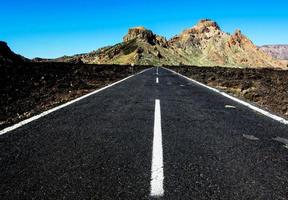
{"x":30,"y":88}
{"x":267,"y":88}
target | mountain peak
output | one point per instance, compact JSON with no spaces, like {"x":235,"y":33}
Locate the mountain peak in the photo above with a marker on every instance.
{"x":140,"y":33}
{"x":198,"y":35}
{"x":140,"y":28}
{"x":207,"y":23}
{"x":8,"y":56}
{"x":3,"y":46}
{"x":239,"y":39}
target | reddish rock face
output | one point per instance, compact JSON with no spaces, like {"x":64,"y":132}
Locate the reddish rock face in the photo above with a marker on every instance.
{"x":240,"y":40}
{"x":145,"y":35}
{"x":206,"y":23}
{"x":197,"y":35}
{"x":140,"y":33}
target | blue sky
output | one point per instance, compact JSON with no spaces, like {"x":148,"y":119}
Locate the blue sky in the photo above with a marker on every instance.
{"x":56,"y":28}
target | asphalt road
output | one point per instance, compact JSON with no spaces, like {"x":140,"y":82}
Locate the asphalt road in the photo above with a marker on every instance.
{"x":101,"y":147}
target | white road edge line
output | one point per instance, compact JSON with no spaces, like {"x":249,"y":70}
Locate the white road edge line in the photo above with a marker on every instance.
{"x":259,"y":110}
{"x":157,"y":80}
{"x":157,"y":174}
{"x":24,"y":122}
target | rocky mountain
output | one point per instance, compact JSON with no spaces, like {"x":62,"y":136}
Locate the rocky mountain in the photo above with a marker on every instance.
{"x":276,"y":51}
{"x":9,"y":57}
{"x":139,"y":46}
{"x":208,"y":45}
{"x":205,"y":44}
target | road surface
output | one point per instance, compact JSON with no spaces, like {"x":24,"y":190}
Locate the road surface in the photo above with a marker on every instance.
{"x":155,"y":135}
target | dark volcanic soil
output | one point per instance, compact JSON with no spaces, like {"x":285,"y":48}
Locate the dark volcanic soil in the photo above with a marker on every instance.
{"x":267,"y":88}
{"x":30,"y":88}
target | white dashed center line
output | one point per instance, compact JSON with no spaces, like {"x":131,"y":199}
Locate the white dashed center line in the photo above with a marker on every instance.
{"x":157,"y":174}
{"x":229,"y":106}
{"x":157,"y":80}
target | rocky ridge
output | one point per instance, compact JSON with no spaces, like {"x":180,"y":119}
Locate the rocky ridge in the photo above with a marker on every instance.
{"x":9,"y":57}
{"x":205,"y":44}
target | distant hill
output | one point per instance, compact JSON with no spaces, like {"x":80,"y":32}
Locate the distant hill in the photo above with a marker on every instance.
{"x":205,"y":44}
{"x":8,"y":57}
{"x":276,"y":51}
